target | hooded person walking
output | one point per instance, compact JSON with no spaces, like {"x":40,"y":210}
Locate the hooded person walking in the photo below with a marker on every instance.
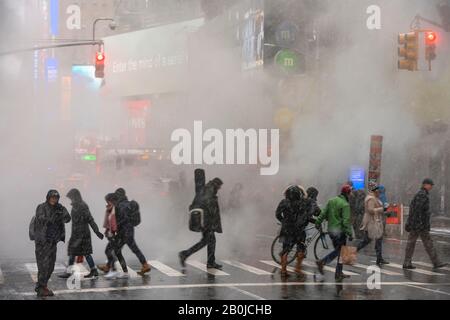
{"x":47,"y":229}
{"x":80,"y":243}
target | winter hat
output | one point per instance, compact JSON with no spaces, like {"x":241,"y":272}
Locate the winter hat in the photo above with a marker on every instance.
{"x":428,"y":181}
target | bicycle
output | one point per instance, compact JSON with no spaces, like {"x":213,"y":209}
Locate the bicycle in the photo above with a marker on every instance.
{"x":322,"y":245}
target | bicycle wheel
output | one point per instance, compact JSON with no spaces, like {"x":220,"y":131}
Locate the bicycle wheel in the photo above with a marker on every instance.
{"x":277,"y":247}
{"x":323,"y":246}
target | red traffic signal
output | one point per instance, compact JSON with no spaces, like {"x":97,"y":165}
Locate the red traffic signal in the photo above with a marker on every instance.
{"x":430,"y":37}
{"x":100,"y":65}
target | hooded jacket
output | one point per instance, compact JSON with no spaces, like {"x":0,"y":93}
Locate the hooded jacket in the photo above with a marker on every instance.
{"x":50,"y":220}
{"x":80,"y":241}
{"x":373,"y":217}
{"x":207,"y":200}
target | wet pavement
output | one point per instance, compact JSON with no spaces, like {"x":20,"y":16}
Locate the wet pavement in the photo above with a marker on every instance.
{"x":245,"y":276}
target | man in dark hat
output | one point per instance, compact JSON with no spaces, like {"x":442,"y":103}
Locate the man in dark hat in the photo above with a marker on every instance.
{"x":49,"y":229}
{"x":207,"y":200}
{"x":418,"y":225}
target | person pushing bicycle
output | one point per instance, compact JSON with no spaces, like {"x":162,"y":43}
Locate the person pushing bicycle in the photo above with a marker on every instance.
{"x":294,"y":214}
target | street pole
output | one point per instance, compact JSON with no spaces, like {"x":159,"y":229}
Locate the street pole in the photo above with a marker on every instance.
{"x":94,"y":25}
{"x":53,"y":46}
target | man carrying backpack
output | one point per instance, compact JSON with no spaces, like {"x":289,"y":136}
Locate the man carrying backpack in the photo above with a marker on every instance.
{"x":128,"y":217}
{"x":206,"y":199}
{"x":47,"y":229}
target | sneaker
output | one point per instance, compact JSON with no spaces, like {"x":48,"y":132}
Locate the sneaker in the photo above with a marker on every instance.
{"x":214,"y":266}
{"x":92,"y":275}
{"x":440,"y":265}
{"x":320,"y":265}
{"x":182,"y":258}
{"x":381,"y":262}
{"x":111,"y":275}
{"x":123,"y":275}
{"x":409,"y":267}
{"x":339,"y":277}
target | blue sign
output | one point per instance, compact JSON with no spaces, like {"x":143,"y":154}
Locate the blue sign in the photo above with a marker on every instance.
{"x":84,"y":75}
{"x":54,"y":17}
{"x":357,"y":177}
{"x":51,"y":70}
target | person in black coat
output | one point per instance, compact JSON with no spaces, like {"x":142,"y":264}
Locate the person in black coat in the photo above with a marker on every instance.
{"x":419,"y":224}
{"x":294,"y":212}
{"x":49,"y":229}
{"x":80,"y":241}
{"x":207,"y":200}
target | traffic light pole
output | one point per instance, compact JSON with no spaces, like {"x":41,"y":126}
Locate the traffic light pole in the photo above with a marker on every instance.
{"x":53,"y":46}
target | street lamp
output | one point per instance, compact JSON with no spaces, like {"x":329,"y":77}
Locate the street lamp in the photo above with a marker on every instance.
{"x":112,"y":25}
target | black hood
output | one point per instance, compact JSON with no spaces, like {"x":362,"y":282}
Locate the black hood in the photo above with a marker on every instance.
{"x":75,"y":196}
{"x":312,"y":193}
{"x":53,"y":193}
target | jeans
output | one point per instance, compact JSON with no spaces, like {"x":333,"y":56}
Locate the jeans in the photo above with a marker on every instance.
{"x":208,"y":239}
{"x":45,"y":259}
{"x":378,"y":245}
{"x":114,"y":253}
{"x":427,"y":243}
{"x":339,"y":239}
{"x":127,"y":238}
{"x":89,"y":260}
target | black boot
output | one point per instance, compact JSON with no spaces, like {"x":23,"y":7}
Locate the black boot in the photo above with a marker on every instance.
{"x":64,"y":275}
{"x":182,"y":257}
{"x":440,"y":265}
{"x":92,"y":275}
{"x":409,"y":266}
{"x":214,"y":266}
{"x":381,"y":262}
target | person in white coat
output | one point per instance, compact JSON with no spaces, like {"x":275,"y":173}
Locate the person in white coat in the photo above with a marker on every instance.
{"x":372,"y":224}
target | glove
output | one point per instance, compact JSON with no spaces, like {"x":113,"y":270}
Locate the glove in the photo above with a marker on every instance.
{"x":100,"y":235}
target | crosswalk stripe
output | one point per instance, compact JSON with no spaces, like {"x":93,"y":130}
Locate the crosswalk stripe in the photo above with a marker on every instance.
{"x":2,"y":279}
{"x":132,"y":273}
{"x":33,"y":269}
{"x":80,"y":268}
{"x":327,"y":268}
{"x":383,"y":271}
{"x":290,"y":269}
{"x":165,"y":269}
{"x":202,"y":266}
{"x":422,"y":271}
{"x":424,"y":264}
{"x":246,"y":267}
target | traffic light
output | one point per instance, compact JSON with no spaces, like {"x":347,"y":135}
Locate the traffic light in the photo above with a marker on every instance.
{"x":430,"y":45}
{"x":409,"y":51}
{"x":100,"y":65}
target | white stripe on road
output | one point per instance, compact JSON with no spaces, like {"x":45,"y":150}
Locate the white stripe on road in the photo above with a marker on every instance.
{"x":33,"y":269}
{"x":383,"y":271}
{"x":422,"y":271}
{"x":427,"y":289}
{"x":290,"y":269}
{"x":132,"y":274}
{"x":252,"y":295}
{"x":246,"y":267}
{"x":424,"y":264}
{"x":327,"y":268}
{"x":225,"y":285}
{"x":165,"y":269}
{"x":202,"y":266}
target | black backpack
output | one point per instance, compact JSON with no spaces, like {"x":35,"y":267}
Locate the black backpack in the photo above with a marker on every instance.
{"x":134,"y":213}
{"x":31,"y":228}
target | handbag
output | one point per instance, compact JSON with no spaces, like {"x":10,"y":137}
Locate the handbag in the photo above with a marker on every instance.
{"x":348,"y":255}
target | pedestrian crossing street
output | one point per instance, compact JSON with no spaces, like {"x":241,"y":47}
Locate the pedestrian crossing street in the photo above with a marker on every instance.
{"x":258,"y":268}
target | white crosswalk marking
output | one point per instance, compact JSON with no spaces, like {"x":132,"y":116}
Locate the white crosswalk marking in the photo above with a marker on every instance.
{"x":165,"y":269}
{"x":246,"y":267}
{"x":290,"y":269}
{"x":424,"y":264}
{"x":383,"y":271}
{"x":202,"y":266}
{"x":79,"y":268}
{"x":2,"y":279}
{"x":327,"y":268}
{"x":33,"y":270}
{"x":132,"y":274}
{"x":422,"y":271}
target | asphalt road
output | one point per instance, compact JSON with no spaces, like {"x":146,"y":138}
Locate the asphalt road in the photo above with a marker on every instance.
{"x":245,"y":276}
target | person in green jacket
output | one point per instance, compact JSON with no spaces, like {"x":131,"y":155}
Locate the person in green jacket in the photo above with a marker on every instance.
{"x":337,"y":213}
